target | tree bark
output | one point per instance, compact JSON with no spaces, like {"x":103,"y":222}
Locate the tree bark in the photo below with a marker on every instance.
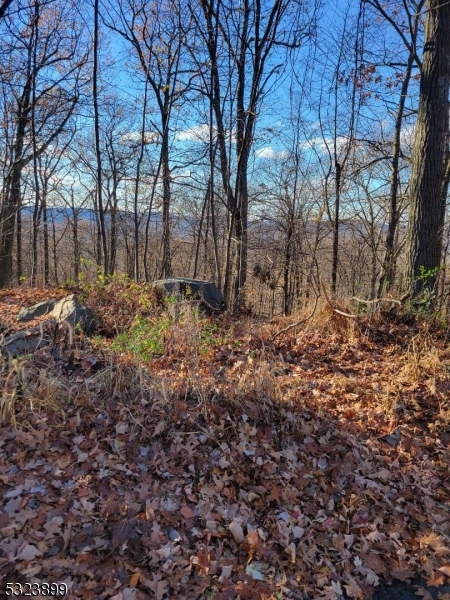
{"x":427,"y":206}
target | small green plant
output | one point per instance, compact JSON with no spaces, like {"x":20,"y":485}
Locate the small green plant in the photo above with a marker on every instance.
{"x":144,"y":339}
{"x":424,"y":302}
{"x":362,"y":308}
{"x":209,"y":333}
{"x":212,"y":336}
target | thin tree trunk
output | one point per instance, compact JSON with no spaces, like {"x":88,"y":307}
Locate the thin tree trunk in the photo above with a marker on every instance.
{"x":389,"y":262}
{"x":136,"y":188}
{"x":149,"y":217}
{"x":76,"y":247}
{"x":98,"y":154}
{"x":287,"y":267}
{"x":205,"y":241}
{"x":55,"y":253}
{"x":200,"y":227}
{"x":337,"y":208}
{"x":36,"y":212}
{"x":166,"y":267}
{"x":45,"y":233}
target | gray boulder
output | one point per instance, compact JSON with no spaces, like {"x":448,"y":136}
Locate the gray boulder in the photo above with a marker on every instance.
{"x":30,"y":313}
{"x":27,"y":340}
{"x":66,"y":309}
{"x":206,"y":293}
{"x":69,"y":310}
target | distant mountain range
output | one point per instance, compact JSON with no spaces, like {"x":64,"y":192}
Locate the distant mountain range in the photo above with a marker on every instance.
{"x":179,"y":223}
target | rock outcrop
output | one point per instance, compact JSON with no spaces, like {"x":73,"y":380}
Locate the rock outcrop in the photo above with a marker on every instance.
{"x":206,"y":293}
{"x":31,"y":312}
{"x":67,"y":310}
{"x":27,"y":340}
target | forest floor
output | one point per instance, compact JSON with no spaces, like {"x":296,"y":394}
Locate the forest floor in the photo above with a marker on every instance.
{"x":212,"y":458}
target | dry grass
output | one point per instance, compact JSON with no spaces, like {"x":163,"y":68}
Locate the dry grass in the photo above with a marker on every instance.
{"x":30,"y":391}
{"x":204,"y":360}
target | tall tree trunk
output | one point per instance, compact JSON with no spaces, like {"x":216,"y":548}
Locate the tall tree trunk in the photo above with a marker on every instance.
{"x":36,"y":211}
{"x":12,"y":201}
{"x":10,"y":208}
{"x":148,"y":222}
{"x":55,"y":252}
{"x":113,"y":235}
{"x":19,"y":230}
{"x":287,"y":296}
{"x":98,"y":154}
{"x":389,"y":262}
{"x":337,"y":208}
{"x":136,"y":187}
{"x":76,"y":243}
{"x":199,"y":234}
{"x":427,"y":207}
{"x":45,"y":232}
{"x":166,"y":267}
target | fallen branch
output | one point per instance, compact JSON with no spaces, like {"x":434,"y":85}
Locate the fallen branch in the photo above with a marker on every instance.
{"x":344,"y":314}
{"x":297,"y":323}
{"x":377,"y":300}
{"x":337,"y":310}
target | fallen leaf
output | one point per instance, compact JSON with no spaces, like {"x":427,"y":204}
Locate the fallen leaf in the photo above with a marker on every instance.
{"x":29,"y":552}
{"x":134,"y":579}
{"x":445,"y":569}
{"x":254,"y":573}
{"x":237,"y":532}
{"x":187,"y":512}
{"x":423,"y":593}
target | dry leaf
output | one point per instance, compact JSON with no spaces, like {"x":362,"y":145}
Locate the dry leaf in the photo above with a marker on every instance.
{"x":423,"y":593}
{"x":122,"y":532}
{"x":237,"y":532}
{"x":445,"y":569}
{"x":28,"y":552}
{"x":134,"y":579}
{"x":187,"y":512}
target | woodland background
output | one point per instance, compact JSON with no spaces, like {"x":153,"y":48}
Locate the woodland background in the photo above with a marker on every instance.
{"x":265,"y":145}
{"x":286,"y":149}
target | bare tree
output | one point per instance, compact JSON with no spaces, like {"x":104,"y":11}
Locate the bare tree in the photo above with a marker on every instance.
{"x":405,"y":19}
{"x":252,"y":40}
{"x":155,"y":33}
{"x":45,"y":56}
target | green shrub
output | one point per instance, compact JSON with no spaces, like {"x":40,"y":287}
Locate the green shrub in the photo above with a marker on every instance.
{"x":144,"y":339}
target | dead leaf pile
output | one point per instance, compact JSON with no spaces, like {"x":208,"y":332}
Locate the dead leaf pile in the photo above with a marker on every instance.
{"x":312,"y":468}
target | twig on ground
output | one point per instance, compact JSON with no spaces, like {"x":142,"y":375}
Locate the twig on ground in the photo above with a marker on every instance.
{"x":344,"y":314}
{"x":337,"y":310}
{"x":297,"y":323}
{"x":377,"y":300}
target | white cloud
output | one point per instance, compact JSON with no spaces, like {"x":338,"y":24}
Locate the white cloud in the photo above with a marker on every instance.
{"x":322,"y":146}
{"x":134,"y":137}
{"x":269,"y":153}
{"x":199,"y":133}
